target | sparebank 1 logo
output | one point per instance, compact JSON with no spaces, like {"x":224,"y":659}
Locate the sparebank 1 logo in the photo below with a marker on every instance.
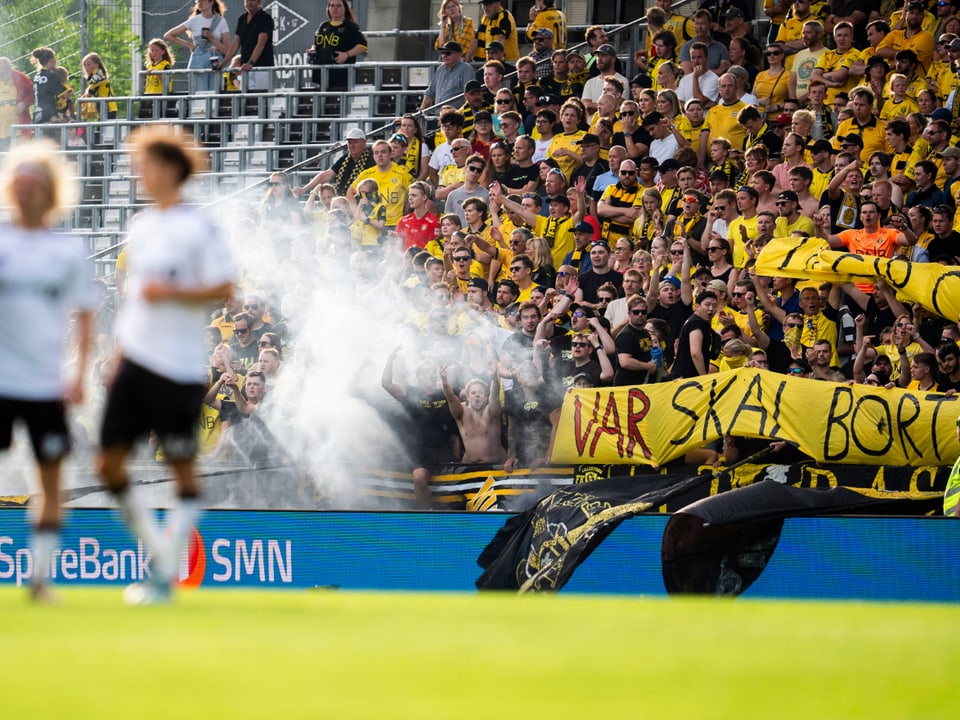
{"x":193,"y":562}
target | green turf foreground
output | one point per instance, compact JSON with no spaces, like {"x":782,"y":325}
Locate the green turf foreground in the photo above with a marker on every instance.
{"x":328,"y":654}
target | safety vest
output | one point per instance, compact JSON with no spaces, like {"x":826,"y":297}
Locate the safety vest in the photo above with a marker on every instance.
{"x":952,"y":495}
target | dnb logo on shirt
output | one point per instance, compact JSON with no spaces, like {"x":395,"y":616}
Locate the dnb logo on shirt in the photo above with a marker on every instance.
{"x":194,"y":565}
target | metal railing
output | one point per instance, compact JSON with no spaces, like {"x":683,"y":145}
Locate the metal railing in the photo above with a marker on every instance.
{"x":293,"y":125}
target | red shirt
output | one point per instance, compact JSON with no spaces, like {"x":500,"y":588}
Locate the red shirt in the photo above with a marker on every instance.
{"x":417,"y":232}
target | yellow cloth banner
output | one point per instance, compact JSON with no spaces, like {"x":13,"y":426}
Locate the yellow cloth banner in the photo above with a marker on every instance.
{"x":935,"y":287}
{"x":831,"y":422}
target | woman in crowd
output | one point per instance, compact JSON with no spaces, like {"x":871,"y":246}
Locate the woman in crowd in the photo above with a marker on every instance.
{"x":48,"y":86}
{"x":279,"y":208}
{"x":543,"y":271}
{"x":499,"y":168}
{"x":647,"y":102}
{"x":668,"y":105}
{"x":417,"y":155}
{"x":482,"y":136}
{"x":209,"y":39}
{"x":875,"y":80}
{"x":45,"y":286}
{"x":338,"y":41}
{"x":454,"y":27}
{"x":772,"y":85}
{"x":622,"y":254}
{"x":668,"y":76}
{"x":650,"y":222}
{"x":720,"y":258}
{"x":745,"y":54}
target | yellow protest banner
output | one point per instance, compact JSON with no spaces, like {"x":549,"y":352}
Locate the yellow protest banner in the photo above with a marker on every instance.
{"x":831,"y":422}
{"x":935,"y":287}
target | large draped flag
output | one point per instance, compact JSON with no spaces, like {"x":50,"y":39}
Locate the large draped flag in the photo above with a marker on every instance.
{"x":935,"y":287}
{"x":830,"y":422}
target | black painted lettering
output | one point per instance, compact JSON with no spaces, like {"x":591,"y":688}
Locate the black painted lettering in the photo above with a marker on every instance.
{"x":677,"y":404}
{"x":840,"y":407}
{"x":870,"y":426}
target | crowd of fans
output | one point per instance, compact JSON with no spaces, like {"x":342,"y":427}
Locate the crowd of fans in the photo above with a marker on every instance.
{"x":565,"y":226}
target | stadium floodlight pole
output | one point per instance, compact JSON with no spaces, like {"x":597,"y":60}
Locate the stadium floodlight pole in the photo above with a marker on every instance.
{"x":83,"y":28}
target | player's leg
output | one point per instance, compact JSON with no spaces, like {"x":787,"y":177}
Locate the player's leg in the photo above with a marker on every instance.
{"x":47,"y":427}
{"x":126,"y":418}
{"x":177,"y":428}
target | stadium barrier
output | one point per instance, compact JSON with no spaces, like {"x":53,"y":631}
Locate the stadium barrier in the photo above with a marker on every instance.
{"x":902,"y":559}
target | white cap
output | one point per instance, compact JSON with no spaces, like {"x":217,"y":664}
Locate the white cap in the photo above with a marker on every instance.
{"x":355,"y":134}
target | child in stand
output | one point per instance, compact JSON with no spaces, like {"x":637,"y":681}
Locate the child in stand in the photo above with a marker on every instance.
{"x":371,"y":215}
{"x":97,"y":86}
{"x":158,"y":59}
{"x":899,"y":104}
{"x":720,"y":160}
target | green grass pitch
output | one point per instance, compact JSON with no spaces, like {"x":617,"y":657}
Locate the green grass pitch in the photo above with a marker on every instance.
{"x":329,"y":654}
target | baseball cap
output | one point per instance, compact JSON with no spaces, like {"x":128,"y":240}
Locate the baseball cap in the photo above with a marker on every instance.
{"x":717,"y":286}
{"x":942,"y":114}
{"x":472,"y":86}
{"x":668,"y":165}
{"x":560,"y":198}
{"x":495,"y":45}
{"x":478,"y":283}
{"x":589,"y":139}
{"x":673,"y":280}
{"x":607,"y":49}
{"x":951,"y":152}
{"x":789,"y":195}
{"x":733,"y":12}
{"x":452,"y":47}
{"x":354,"y":134}
{"x":548,"y":99}
{"x":544,"y":32}
{"x":701,"y":271}
{"x":653,"y":118}
{"x":482,"y":115}
{"x":822,"y":146}
{"x":583,"y":227}
{"x":782,"y":119}
{"x":851,"y":139}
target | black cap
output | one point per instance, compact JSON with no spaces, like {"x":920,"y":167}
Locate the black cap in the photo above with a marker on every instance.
{"x":653,"y":118}
{"x":822,"y":146}
{"x":851,"y":139}
{"x":482,"y":115}
{"x":734,"y":12}
{"x":588,"y":139}
{"x":668,"y":165}
{"x":606,"y":49}
{"x":560,"y":198}
{"x":789,"y":195}
{"x":472,"y":86}
{"x":584,"y":227}
{"x":478,"y":283}
{"x":494,"y":45}
{"x":452,"y":47}
{"x":548,"y":99}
